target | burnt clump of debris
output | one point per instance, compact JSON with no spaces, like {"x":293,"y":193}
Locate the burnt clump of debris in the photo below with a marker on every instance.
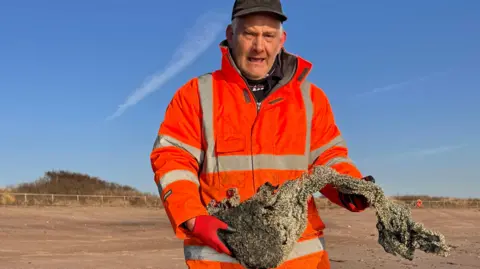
{"x":269,"y":223}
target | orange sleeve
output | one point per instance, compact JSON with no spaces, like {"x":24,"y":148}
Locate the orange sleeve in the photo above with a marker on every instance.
{"x":329,"y":148}
{"x":176,"y":158}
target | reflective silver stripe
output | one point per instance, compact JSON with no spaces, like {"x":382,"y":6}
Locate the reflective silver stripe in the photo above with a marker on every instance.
{"x":168,"y":141}
{"x":280,"y":162}
{"x":337,"y":141}
{"x":337,"y":160}
{"x":205,"y":91}
{"x":307,"y":247}
{"x":260,"y":161}
{"x":307,"y":100}
{"x":174,"y":176}
{"x":205,"y":253}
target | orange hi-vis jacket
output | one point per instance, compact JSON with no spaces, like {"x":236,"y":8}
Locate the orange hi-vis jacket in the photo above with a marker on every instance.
{"x":214,"y":137}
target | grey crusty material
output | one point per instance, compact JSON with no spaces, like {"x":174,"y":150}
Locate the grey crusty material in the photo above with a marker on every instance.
{"x":269,"y":223}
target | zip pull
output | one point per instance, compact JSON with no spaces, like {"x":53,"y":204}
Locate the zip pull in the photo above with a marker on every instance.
{"x":246,"y":96}
{"x":258,"y":105}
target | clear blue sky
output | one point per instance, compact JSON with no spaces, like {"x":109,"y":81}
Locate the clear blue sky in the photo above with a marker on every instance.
{"x":403,"y":78}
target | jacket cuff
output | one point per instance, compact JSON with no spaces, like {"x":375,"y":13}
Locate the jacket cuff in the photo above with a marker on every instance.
{"x":182,"y":204}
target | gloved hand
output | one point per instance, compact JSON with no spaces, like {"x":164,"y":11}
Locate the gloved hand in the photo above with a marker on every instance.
{"x":206,"y":228}
{"x":355,"y":202}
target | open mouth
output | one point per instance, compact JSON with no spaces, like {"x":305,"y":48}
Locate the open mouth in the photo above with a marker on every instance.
{"x":256,"y":59}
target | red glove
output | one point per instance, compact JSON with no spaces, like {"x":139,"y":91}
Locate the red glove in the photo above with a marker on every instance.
{"x":354,"y":202}
{"x":206,"y":228}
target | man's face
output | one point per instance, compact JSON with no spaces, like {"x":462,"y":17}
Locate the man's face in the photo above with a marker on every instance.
{"x":255,"y":42}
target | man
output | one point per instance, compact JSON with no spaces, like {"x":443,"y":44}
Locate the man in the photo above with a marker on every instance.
{"x":257,"y":119}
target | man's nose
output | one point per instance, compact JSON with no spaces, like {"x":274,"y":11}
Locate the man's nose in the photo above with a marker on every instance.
{"x":258,"y":44}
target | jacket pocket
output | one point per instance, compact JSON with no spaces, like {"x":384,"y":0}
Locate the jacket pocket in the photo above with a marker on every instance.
{"x":232,"y":159}
{"x":229,"y":143}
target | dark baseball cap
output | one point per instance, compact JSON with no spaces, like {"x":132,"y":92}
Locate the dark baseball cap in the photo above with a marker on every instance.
{"x":245,"y":7}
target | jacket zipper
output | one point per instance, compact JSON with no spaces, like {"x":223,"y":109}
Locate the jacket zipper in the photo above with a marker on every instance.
{"x":258,"y":106}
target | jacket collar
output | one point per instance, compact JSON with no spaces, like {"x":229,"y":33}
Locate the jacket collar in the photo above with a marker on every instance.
{"x":294,"y":68}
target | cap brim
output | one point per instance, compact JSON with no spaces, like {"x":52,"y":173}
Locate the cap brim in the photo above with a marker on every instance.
{"x":277,"y":14}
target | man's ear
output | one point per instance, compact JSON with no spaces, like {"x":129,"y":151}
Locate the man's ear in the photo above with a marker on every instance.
{"x":229,"y":33}
{"x":284,"y":38}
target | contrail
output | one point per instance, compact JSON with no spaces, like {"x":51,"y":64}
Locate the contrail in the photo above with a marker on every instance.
{"x":195,"y":42}
{"x":425,"y":152}
{"x":399,"y":85}
{"x":438,"y":150}
{"x":429,"y":151}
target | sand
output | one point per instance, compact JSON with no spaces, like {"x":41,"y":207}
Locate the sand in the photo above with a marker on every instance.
{"x":117,"y":238}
